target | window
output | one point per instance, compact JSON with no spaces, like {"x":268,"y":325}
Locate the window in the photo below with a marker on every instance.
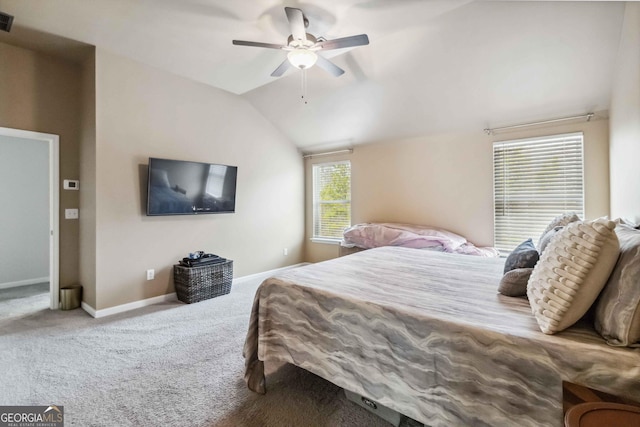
{"x":331,"y":199}
{"x":534,"y":180}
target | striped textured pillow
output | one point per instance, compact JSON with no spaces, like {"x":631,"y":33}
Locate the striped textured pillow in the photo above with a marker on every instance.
{"x":571,"y":273}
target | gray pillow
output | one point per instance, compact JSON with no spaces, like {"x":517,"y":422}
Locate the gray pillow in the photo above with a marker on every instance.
{"x":524,"y":256}
{"x":514,"y":282}
{"x":561,"y":220}
{"x":618,"y":308}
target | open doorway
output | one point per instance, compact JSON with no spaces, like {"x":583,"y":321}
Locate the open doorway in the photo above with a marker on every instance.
{"x":35,"y":243}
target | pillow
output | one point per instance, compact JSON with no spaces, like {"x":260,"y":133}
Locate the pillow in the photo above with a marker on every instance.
{"x":561,"y":220}
{"x":373,"y":235}
{"x":618,"y":309}
{"x":571,"y":273}
{"x":625,"y":221}
{"x":546,"y":238}
{"x":523,"y":256}
{"x":514,"y":282}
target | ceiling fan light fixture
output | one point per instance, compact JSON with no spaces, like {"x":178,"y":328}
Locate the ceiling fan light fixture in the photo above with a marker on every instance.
{"x":302,"y":58}
{"x":302,"y":46}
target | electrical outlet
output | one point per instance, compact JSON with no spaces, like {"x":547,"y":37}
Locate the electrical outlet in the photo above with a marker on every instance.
{"x":285,"y":252}
{"x":71,"y":214}
{"x":151,"y":274}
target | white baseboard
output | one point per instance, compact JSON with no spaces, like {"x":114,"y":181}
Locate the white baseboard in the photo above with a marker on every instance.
{"x":90,"y":310}
{"x":172,"y":296}
{"x":266,"y":274}
{"x":127,"y":307}
{"x":24,"y":282}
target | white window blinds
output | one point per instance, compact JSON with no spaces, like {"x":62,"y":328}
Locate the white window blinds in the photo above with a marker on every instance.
{"x":535,"y":180}
{"x":331,"y":199}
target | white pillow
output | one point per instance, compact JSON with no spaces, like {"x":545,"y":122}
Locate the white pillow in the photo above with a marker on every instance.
{"x":571,"y":273}
{"x":618,"y":308}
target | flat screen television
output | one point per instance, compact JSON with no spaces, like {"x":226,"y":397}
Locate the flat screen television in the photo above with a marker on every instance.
{"x":177,"y":187}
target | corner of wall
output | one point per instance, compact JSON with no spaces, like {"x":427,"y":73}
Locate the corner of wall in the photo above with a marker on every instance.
{"x":624,"y":149}
{"x":88,"y":182}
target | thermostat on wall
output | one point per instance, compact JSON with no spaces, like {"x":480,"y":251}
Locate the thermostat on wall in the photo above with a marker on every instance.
{"x":71,"y":184}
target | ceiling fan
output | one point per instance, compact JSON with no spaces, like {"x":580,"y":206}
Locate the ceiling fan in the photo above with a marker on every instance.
{"x":302,"y":46}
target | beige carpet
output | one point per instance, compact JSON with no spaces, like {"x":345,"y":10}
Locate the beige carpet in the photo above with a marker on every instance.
{"x":169,"y":364}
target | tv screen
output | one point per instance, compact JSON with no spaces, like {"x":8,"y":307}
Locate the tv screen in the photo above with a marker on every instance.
{"x":177,"y":187}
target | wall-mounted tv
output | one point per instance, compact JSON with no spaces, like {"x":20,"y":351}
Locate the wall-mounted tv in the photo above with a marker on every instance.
{"x":177,"y":187}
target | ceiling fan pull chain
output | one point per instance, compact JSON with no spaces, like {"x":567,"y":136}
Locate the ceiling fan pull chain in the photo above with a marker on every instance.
{"x":304,"y":85}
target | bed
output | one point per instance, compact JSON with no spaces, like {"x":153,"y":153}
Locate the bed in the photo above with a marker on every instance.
{"x":426,"y":334}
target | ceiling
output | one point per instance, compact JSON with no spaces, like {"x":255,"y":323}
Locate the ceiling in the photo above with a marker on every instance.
{"x":431,"y":66}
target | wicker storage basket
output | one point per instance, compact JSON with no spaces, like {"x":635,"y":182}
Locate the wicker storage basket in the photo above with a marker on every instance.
{"x":195,"y":284}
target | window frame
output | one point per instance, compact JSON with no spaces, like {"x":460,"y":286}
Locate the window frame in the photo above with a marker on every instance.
{"x":315,"y":212}
{"x":574,"y":141}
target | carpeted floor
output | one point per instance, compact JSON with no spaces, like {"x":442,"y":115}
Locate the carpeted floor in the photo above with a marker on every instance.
{"x":169,"y":364}
{"x":12,"y":295}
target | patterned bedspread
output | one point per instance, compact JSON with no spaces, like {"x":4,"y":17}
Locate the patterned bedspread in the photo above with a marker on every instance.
{"x":426,"y":334}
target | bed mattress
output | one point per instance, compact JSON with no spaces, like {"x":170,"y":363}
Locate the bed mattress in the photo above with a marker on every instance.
{"x":426,"y":334}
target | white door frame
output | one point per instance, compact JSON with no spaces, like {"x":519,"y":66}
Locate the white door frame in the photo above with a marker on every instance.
{"x":53,"y":142}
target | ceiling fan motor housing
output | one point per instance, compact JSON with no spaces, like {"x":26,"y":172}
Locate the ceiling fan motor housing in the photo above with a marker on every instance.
{"x":311,"y":40}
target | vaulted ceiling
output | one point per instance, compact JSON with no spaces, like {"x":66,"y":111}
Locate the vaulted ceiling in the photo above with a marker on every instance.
{"x":431,"y":66}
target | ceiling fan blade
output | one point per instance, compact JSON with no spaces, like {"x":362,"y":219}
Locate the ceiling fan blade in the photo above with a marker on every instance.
{"x":258,"y":44}
{"x":282,"y":68}
{"x":351,"y":41}
{"x":296,"y":21}
{"x":329,"y":66}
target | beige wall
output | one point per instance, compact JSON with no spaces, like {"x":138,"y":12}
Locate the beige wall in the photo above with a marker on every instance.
{"x":43,"y":94}
{"x":447,"y":181}
{"x":143,"y":112}
{"x":88,"y":185}
{"x":625,"y":120}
